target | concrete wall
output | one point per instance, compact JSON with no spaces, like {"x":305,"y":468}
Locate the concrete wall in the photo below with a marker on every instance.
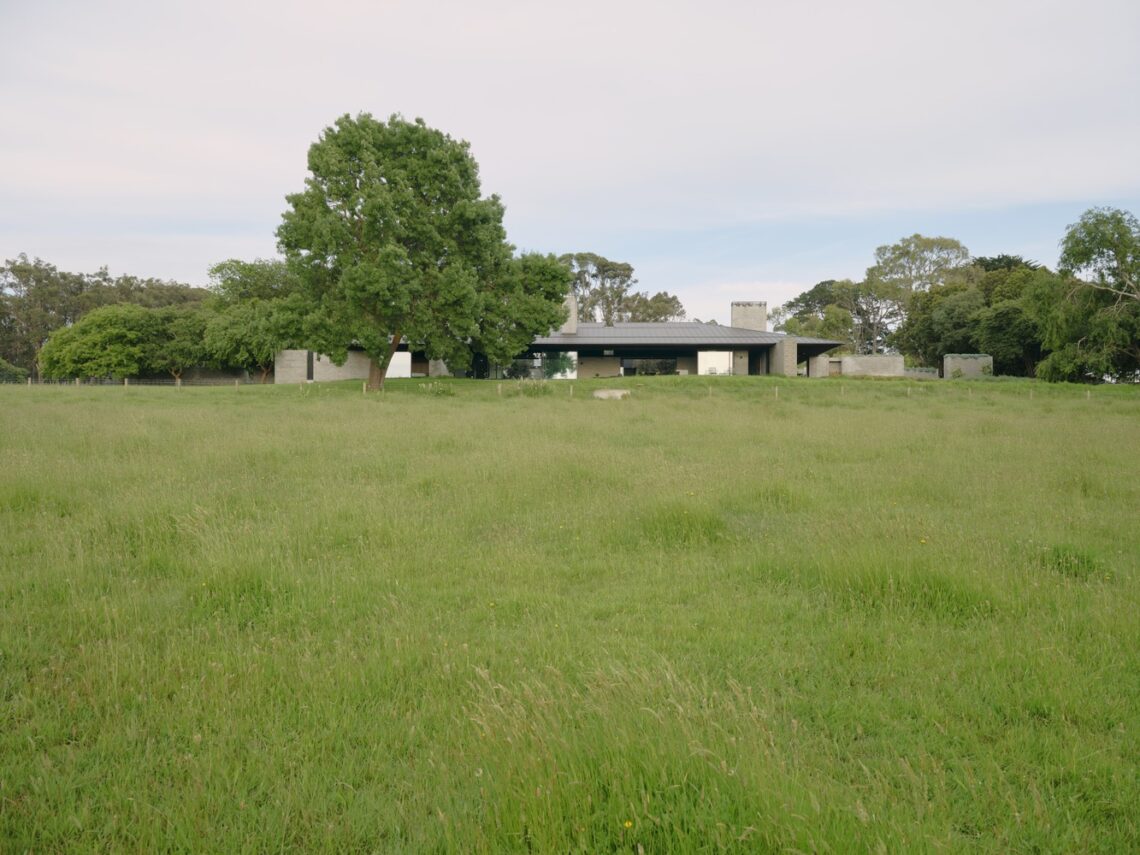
{"x":598,"y":366}
{"x":354,"y":368}
{"x":740,"y":362}
{"x":291,"y":366}
{"x":687,"y":364}
{"x":872,"y":366}
{"x":750,"y":315}
{"x":782,"y":359}
{"x":571,"y":325}
{"x":967,"y":365}
{"x":819,"y":366}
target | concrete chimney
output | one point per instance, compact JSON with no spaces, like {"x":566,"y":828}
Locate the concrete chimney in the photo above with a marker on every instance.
{"x":751,"y":315}
{"x":571,"y":325}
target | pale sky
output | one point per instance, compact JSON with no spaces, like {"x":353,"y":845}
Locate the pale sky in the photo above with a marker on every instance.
{"x":728,"y":150}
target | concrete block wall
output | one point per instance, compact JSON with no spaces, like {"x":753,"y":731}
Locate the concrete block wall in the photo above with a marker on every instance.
{"x":354,"y":368}
{"x":750,"y":315}
{"x":291,"y":366}
{"x":872,"y":366}
{"x":819,"y":366}
{"x":967,"y":366}
{"x":782,"y":359}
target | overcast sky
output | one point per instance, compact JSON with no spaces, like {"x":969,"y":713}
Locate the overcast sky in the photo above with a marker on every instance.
{"x":728,"y":150}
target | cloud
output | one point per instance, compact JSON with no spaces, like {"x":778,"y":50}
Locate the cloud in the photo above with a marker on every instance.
{"x":596,"y":122}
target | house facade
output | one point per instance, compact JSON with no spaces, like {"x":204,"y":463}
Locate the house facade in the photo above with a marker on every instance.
{"x":743,"y":347}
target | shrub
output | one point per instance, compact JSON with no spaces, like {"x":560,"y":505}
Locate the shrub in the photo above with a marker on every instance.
{"x":10,"y":373}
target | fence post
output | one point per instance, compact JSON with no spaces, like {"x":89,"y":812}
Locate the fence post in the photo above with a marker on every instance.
{"x":126,"y":381}
{"x":235,"y":384}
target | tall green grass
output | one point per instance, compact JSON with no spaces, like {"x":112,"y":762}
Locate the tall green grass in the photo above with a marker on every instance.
{"x":840,"y":616}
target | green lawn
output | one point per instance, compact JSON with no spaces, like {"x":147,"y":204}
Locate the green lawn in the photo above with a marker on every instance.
{"x":840,"y":616}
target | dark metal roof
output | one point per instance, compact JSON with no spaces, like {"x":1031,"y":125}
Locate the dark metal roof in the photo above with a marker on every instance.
{"x":676,"y":334}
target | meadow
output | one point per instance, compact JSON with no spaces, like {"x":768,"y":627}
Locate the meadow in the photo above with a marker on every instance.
{"x":725,"y":614}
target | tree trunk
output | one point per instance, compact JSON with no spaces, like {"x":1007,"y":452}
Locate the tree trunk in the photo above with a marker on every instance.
{"x":377,"y":371}
{"x":264,"y":373}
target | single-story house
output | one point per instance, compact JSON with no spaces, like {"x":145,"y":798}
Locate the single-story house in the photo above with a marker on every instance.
{"x":744,"y":347}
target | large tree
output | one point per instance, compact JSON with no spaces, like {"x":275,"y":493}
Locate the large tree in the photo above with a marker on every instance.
{"x":917,"y":263}
{"x":180,"y":342}
{"x":235,"y":281}
{"x":249,"y":334}
{"x":111,"y":341}
{"x":604,"y":291}
{"x":36,"y":298}
{"x":1103,"y":247}
{"x":395,"y":243}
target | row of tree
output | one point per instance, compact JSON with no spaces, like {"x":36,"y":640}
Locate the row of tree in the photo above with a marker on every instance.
{"x":389,"y":242}
{"x":57,"y":324}
{"x":604,"y":292}
{"x":926,"y":297}
{"x":36,"y":299}
{"x":62,"y":324}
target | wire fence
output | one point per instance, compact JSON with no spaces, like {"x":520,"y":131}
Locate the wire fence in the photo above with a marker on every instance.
{"x":142,"y":381}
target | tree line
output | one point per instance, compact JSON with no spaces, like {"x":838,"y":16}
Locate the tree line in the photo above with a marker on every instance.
{"x":56,"y":324}
{"x":390,"y":242}
{"x":925,"y":297}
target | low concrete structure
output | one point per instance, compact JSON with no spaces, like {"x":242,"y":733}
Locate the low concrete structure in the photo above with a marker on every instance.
{"x":819,"y":366}
{"x":967,"y":366}
{"x":872,"y":366}
{"x":301,"y":366}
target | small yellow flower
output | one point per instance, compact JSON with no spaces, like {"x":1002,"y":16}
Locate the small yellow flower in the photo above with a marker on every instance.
{"x":628,"y":823}
{"x":922,"y":540}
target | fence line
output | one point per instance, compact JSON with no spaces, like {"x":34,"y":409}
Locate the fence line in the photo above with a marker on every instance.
{"x":142,"y":381}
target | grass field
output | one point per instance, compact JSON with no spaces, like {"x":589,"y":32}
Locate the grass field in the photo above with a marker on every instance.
{"x":844,"y":616}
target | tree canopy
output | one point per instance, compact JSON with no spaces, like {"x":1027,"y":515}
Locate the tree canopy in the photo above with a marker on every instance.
{"x":917,"y":263}
{"x":37,"y":298}
{"x":604,"y":291}
{"x":393,"y":242}
{"x":112,"y":341}
{"x":1103,"y":247}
